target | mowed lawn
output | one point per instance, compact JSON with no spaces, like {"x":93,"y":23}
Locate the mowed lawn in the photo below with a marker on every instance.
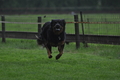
{"x":25,"y":60}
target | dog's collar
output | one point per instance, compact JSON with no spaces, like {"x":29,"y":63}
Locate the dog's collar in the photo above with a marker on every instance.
{"x":59,"y":38}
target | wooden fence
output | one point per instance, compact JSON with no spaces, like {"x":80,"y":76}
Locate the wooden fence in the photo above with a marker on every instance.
{"x":101,"y":39}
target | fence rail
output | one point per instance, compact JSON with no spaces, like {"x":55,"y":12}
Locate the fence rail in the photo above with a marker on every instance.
{"x":118,"y":22}
{"x":101,"y":39}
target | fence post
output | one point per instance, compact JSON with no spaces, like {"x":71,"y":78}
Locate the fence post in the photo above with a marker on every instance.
{"x":77,"y":32}
{"x":3,"y":29}
{"x":39,"y":25}
{"x":85,"y":44}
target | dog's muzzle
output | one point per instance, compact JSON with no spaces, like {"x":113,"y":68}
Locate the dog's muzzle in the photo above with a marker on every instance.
{"x":57,"y":27}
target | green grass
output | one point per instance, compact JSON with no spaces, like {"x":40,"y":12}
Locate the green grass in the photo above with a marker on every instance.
{"x":24,"y":60}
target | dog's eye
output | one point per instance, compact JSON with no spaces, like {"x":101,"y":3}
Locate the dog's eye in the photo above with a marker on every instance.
{"x":59,"y":22}
{"x":55,"y":22}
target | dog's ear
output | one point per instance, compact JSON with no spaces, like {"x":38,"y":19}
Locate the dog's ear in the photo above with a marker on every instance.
{"x":52,"y":23}
{"x":64,"y":23}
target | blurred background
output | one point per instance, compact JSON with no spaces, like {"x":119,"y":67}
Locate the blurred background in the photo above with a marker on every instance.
{"x":58,"y":6}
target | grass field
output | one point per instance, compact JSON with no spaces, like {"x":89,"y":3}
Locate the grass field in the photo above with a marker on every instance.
{"x":22,"y":59}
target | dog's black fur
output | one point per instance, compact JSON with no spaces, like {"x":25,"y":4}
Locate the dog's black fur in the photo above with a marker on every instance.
{"x":53,"y":35}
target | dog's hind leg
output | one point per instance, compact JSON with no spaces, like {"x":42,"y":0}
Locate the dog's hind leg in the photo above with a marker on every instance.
{"x":60,"y":49}
{"x":49,"y":51}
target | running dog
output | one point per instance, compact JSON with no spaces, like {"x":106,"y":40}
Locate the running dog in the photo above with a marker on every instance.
{"x":53,"y":35}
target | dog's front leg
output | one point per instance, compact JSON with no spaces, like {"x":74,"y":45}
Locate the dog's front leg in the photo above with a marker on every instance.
{"x":60,"y":49}
{"x":49,"y":51}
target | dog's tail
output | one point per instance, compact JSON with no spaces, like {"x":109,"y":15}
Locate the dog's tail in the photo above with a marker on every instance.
{"x":36,"y":36}
{"x":39,"y":40}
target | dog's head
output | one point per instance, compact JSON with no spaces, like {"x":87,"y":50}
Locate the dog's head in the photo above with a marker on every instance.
{"x":58,"y":26}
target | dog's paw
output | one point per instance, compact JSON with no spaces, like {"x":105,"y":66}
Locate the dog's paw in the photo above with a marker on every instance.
{"x":50,"y":56}
{"x":58,"y":56}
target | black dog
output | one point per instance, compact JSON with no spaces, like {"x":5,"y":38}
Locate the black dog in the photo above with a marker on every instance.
{"x":53,"y":35}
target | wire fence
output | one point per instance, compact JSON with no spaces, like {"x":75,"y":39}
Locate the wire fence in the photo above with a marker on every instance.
{"x":66,"y":22}
{"x":98,"y":24}
{"x":96,"y":29}
{"x":103,"y":24}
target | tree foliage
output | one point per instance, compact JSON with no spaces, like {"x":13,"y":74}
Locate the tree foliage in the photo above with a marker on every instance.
{"x":45,"y":6}
{"x":56,"y":3}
